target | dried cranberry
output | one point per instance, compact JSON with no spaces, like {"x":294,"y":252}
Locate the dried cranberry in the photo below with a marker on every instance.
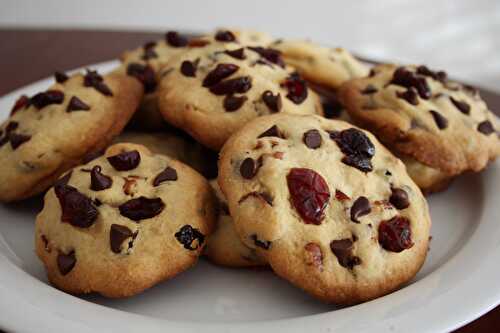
{"x":271,"y":55}
{"x":439,"y":75}
{"x":273,"y":102}
{"x":369,"y":89}
{"x":237,"y":54}
{"x":169,"y":174}
{"x":399,"y":198}
{"x":175,"y":39}
{"x":141,"y":208}
{"x":439,"y":119}
{"x":117,"y":234}
{"x":360,"y":207}
{"x":145,"y":74}
{"x":312,"y":139}
{"x":341,"y":196}
{"x":272,"y":131}
{"x":76,"y":104}
{"x":225,"y":36}
{"x":297,"y":88}
{"x":191,"y":238}
{"x":486,"y":127}
{"x":309,"y":193}
{"x":125,"y":161}
{"x":395,"y":234}
{"x":188,"y":68}
{"x":261,"y":243}
{"x":238,"y":85}
{"x":461,"y":105}
{"x":405,"y":78}
{"x":408,"y":95}
{"x":357,"y":148}
{"x":66,"y":262}
{"x":77,"y":208}
{"x":22,"y":101}
{"x":315,"y":257}
{"x":93,"y":79}
{"x":342,"y":249}
{"x":60,"y":77}
{"x":18,"y":139}
{"x":48,"y":97}
{"x":219,"y":73}
{"x":98,"y":181}
{"x":233,"y":103}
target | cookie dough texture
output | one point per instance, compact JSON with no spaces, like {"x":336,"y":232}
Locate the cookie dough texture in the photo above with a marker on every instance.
{"x":340,"y":252}
{"x":125,"y":248}
{"x":59,"y":135}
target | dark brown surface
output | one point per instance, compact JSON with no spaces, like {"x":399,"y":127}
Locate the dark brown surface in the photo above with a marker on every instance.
{"x":30,"y":55}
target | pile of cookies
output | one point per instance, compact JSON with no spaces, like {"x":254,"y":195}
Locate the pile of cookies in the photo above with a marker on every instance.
{"x":248,"y":150}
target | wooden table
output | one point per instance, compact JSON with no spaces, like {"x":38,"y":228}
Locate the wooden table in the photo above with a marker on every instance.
{"x":30,"y":55}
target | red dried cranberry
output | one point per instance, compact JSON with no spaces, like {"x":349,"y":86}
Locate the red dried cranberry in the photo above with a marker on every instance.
{"x":93,"y":79}
{"x":77,"y":209}
{"x":461,"y":105}
{"x":22,"y":101}
{"x":145,"y":74}
{"x":395,"y":234}
{"x":238,"y":85}
{"x":233,"y":103}
{"x":225,"y":36}
{"x":117,"y":234}
{"x":98,"y":181}
{"x":76,"y":104}
{"x":271,"y":55}
{"x":297,"y":88}
{"x":188,"y":68}
{"x":341,"y":196}
{"x":273,"y":102}
{"x":219,"y":73}
{"x":439,"y":119}
{"x":187,"y":236}
{"x":237,"y":54}
{"x":48,"y":97}
{"x":309,"y":193}
{"x":60,"y":77}
{"x":169,"y":174}
{"x":175,"y":39}
{"x":125,"y":161}
{"x":66,"y":262}
{"x":486,"y":127}
{"x":356,"y":146}
{"x":141,"y":208}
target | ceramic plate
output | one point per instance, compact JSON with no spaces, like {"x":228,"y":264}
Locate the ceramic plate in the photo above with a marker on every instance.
{"x":458,"y":283}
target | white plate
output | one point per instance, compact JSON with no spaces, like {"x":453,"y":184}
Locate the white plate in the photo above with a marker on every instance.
{"x":458,"y":283}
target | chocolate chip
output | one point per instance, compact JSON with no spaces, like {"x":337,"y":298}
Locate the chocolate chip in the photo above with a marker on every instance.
{"x":48,"y":97}
{"x":439,"y":75}
{"x":175,"y":39}
{"x":408,"y":95}
{"x":64,"y":179}
{"x":118,"y":234}
{"x":76,"y":104}
{"x":60,"y":77}
{"x":22,"y":101}
{"x":237,"y":54}
{"x":273,"y":102}
{"x":332,"y":109}
{"x":77,"y":208}
{"x":11,"y":126}
{"x":93,"y":79}
{"x":149,"y":53}
{"x":360,"y":207}
{"x":238,"y":85}
{"x":98,"y":181}
{"x":219,"y":73}
{"x":342,"y":249}
{"x":312,"y":139}
{"x":356,"y":146}
{"x":485,"y":127}
{"x":439,"y":119}
{"x":369,"y":89}
{"x":149,"y":45}
{"x":66,"y":262}
{"x":145,"y":74}
{"x":188,"y":68}
{"x":125,"y":161}
{"x":225,"y":36}
{"x":271,"y":55}
{"x":461,"y":105}
{"x":399,"y":198}
{"x":261,"y":243}
{"x":169,"y":174}
{"x":141,"y":208}
{"x":405,"y":78}
{"x":191,"y":238}
{"x":272,"y":131}
{"x":248,"y":168}
{"x":233,"y":103}
{"x":18,"y":139}
{"x":297,"y":88}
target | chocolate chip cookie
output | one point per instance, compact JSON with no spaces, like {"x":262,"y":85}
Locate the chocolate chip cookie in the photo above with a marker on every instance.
{"x":325,"y":66}
{"x":422,"y":114}
{"x":224,"y":246}
{"x":326,"y":205}
{"x":212,"y":94}
{"x":123,"y":222}
{"x":50,"y":132}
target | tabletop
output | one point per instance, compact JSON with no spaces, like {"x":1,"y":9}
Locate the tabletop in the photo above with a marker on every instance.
{"x":28,"y":55}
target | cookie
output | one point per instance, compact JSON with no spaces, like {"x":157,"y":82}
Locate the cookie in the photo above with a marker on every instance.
{"x":325,"y":66}
{"x":123,"y":222}
{"x":420,"y":113}
{"x":212,"y":94}
{"x":326,"y":205}
{"x":50,"y":132}
{"x":175,"y":145}
{"x":224,"y":246}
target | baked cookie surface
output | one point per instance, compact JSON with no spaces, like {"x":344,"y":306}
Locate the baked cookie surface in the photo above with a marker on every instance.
{"x":212,"y":93}
{"x":123,"y":222}
{"x":421,"y":113}
{"x":326,"y":205}
{"x":50,"y":132}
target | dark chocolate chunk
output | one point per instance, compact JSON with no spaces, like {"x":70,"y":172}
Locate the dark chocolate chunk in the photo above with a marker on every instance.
{"x":233,"y":103}
{"x":237,"y":54}
{"x":399,"y":198}
{"x":359,"y":208}
{"x":238,"y":85}
{"x":273,"y":102}
{"x":48,"y":97}
{"x":191,"y":238}
{"x":461,"y":106}
{"x":342,"y":249}
{"x":439,"y":119}
{"x":261,"y":243}
{"x":60,"y":77}
{"x":312,"y":139}
{"x":486,"y":127}
{"x":175,"y":39}
{"x":169,"y":174}
{"x":145,"y":74}
{"x":98,"y":181}
{"x":117,"y":235}
{"x":272,"y":131}
{"x":66,"y":262}
{"x":408,"y":95}
{"x":96,"y":81}
{"x":76,"y":104}
{"x":248,"y":168}
{"x":188,"y":68}
{"x":405,"y":78}
{"x":369,"y":89}
{"x":357,"y":148}
{"x":77,"y":209}
{"x":271,"y":55}
{"x":125,"y":161}
{"x":219,"y":73}
{"x":141,"y":208}
{"x":18,"y":139}
{"x":225,"y":36}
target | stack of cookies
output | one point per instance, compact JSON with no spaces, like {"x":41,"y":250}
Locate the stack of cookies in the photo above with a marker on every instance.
{"x":322,"y":163}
